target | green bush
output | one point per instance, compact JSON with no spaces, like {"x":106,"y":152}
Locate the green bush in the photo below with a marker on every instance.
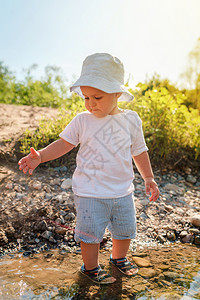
{"x":169,"y":127}
{"x":49,"y":129}
{"x":170,"y":117}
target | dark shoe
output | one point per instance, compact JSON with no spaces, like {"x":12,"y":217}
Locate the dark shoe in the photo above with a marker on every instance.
{"x":124,"y":265}
{"x":98,"y":275}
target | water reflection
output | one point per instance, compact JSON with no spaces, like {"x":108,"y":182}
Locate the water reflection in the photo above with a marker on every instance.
{"x":173,"y":273}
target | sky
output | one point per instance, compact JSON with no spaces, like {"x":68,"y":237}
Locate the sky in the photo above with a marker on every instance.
{"x":148,"y":36}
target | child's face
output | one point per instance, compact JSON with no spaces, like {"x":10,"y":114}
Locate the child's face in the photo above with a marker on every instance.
{"x":100,"y":103}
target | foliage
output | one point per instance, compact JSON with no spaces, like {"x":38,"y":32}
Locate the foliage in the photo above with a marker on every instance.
{"x":191,"y":77}
{"x":48,"y":92}
{"x":49,"y":129}
{"x":169,"y":127}
{"x":170,"y":116}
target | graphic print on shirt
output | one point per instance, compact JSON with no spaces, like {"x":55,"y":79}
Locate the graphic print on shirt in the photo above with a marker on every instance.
{"x":114,"y":136}
{"x":92,"y":159}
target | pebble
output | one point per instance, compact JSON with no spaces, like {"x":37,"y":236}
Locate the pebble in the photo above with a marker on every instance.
{"x":191,"y":179}
{"x":194,"y":231}
{"x":195,"y":220}
{"x":9,"y":186}
{"x":67,"y":183}
{"x":142,"y":262}
{"x":61,"y":231}
{"x":147,"y":272}
{"x":47,"y":234}
{"x":171,"y":236}
{"x":173,"y":217}
{"x":42,"y":226}
{"x":171,"y":275}
{"x":183,"y":234}
{"x":69,"y":217}
{"x":174,"y":188}
{"x":37,"y":185}
{"x":189,"y":238}
{"x":197,"y":240}
{"x":3,"y":238}
{"x":161,"y":239}
{"x":144,"y":202}
{"x":143,"y":216}
{"x":169,"y":207}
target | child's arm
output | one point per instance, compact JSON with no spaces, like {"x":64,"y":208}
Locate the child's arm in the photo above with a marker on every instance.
{"x":143,"y":165}
{"x":52,"y":151}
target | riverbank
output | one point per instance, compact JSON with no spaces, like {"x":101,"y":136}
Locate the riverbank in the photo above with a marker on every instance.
{"x":38,"y":213}
{"x":165,"y":272}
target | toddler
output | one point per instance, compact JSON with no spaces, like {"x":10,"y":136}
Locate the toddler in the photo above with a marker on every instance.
{"x":109,"y":139}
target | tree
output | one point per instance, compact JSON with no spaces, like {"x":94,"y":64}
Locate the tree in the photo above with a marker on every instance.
{"x":191,"y":77}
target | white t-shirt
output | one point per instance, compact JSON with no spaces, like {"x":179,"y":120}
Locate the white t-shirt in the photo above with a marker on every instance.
{"x":104,"y":160}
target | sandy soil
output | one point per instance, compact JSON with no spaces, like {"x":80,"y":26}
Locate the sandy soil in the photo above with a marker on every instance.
{"x":15,"y":119}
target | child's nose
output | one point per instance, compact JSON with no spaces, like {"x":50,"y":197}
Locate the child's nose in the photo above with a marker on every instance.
{"x":92,"y":102}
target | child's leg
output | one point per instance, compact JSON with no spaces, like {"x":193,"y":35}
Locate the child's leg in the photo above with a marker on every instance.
{"x":120,"y":248}
{"x":90,"y":255}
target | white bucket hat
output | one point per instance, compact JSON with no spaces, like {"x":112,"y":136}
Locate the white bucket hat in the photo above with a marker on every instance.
{"x":104,"y":72}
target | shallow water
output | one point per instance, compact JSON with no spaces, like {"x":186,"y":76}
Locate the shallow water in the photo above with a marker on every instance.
{"x":174,"y":273}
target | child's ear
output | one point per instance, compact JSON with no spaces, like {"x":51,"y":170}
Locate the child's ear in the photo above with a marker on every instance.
{"x":118,"y":95}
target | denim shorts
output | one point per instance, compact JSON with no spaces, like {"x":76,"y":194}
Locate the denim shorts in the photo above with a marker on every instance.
{"x":95,"y":214}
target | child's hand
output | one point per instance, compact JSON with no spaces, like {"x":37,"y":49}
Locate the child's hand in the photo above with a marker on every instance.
{"x":30,"y":162}
{"x":151,"y":188}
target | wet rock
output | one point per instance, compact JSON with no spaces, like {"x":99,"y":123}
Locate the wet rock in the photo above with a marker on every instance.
{"x":67,"y":183}
{"x":171,"y":296}
{"x":139,"y":254}
{"x":171,"y":236}
{"x":195,"y":220}
{"x":147,"y":272}
{"x":164,"y":267}
{"x":189,"y":238}
{"x":27,"y":253}
{"x":164,"y":283}
{"x":191,"y":179}
{"x":194,"y":231}
{"x":183,"y":234}
{"x":171,"y":275}
{"x":141,"y":262}
{"x":197,"y":240}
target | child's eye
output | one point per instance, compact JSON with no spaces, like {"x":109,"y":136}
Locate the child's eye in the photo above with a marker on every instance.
{"x":98,"y":98}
